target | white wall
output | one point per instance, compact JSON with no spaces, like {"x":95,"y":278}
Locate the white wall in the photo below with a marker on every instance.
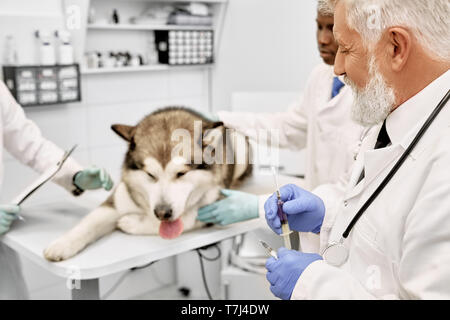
{"x":266,"y":45}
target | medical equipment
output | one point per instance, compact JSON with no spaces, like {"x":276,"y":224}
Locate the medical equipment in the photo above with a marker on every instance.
{"x":269,"y":249}
{"x":283,"y":217}
{"x":336,"y":253}
{"x":45,"y":177}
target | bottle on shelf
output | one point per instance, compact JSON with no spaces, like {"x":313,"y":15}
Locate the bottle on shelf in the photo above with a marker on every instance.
{"x":65,"y":49}
{"x":115,"y":17}
{"x":46,"y":49}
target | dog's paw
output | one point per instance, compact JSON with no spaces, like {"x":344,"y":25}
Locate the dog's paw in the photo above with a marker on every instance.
{"x":62,"y":249}
{"x":132,"y":224}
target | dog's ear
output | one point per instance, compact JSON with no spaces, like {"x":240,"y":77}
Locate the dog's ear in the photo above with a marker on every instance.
{"x":124,"y":131}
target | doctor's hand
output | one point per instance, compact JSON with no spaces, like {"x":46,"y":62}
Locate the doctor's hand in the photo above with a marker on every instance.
{"x":284,"y":272}
{"x":237,"y":206}
{"x":8,"y":213}
{"x":93,"y":178}
{"x":304,"y":210}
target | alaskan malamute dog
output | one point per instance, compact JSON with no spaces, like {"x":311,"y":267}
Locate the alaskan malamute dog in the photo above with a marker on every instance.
{"x":177,"y":162}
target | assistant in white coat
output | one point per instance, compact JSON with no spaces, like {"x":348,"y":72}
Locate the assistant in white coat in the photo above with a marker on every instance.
{"x":23,"y":139}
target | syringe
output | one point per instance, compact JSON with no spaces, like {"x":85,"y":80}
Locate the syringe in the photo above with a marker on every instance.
{"x":283,"y":218}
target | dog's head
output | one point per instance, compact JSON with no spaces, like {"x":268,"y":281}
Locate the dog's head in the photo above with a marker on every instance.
{"x":165,"y":169}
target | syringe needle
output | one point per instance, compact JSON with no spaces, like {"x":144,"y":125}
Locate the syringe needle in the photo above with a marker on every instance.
{"x":283,"y":218}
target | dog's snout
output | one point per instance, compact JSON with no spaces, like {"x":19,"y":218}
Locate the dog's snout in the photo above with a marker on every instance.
{"x":163,"y":211}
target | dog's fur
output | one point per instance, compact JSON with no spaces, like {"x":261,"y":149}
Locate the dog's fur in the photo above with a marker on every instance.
{"x":153,"y":180}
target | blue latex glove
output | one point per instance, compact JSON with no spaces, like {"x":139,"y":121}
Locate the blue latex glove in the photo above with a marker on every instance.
{"x":93,"y":178}
{"x":284,"y":272}
{"x":237,"y":206}
{"x":8,"y":213}
{"x":305,"y":211}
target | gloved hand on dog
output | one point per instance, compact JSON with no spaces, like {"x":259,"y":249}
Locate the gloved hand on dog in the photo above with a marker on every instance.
{"x":93,"y":178}
{"x":8,"y":213}
{"x":237,"y":206}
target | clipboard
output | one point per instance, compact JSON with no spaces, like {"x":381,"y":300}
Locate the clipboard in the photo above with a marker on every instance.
{"x":43,"y":179}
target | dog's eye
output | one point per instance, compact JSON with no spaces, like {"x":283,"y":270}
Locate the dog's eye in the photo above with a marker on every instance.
{"x":151,"y":176}
{"x":180,"y":174}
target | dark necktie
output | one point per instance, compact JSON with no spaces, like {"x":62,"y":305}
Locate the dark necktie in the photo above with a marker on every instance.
{"x":382,"y":142}
{"x":337,"y":86}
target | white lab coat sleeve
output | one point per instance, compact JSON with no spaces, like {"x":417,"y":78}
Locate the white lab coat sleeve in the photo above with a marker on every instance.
{"x":23,"y":139}
{"x":290,"y":126}
{"x":320,"y":281}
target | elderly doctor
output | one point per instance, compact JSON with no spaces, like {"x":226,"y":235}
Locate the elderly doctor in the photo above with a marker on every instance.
{"x":387,"y":236}
{"x":23,"y":139}
{"x":320,"y":122}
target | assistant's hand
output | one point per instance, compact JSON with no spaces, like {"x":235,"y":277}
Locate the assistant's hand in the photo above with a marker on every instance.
{"x":284,"y":272}
{"x":93,"y":178}
{"x":305,"y":211}
{"x":237,"y":206}
{"x":8,"y":213}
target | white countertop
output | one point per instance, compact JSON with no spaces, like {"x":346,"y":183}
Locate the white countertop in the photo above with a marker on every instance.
{"x":45,"y":222}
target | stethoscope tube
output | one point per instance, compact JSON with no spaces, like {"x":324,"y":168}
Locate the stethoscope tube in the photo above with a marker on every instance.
{"x":399,"y":163}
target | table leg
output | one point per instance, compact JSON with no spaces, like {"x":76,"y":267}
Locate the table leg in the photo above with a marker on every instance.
{"x":88,"y":290}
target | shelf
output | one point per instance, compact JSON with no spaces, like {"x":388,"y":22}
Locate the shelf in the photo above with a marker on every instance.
{"x":145,"y":27}
{"x":159,"y":67}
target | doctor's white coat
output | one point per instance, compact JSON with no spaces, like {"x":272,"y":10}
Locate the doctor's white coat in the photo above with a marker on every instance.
{"x":23,"y":139}
{"x":400,"y":247}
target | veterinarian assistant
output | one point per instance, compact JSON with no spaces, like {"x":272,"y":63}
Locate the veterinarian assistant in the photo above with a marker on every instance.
{"x":387,"y":236}
{"x":23,"y":139}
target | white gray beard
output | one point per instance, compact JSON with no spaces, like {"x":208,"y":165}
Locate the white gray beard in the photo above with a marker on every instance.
{"x":374,"y":103}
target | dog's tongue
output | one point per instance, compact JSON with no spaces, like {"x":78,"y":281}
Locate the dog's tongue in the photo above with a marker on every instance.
{"x":171,"y":229}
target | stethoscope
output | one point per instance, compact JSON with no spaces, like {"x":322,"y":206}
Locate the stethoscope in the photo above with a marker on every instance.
{"x":336,"y":253}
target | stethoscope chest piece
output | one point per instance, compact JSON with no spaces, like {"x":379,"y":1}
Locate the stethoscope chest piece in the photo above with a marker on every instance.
{"x":336,"y":254}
